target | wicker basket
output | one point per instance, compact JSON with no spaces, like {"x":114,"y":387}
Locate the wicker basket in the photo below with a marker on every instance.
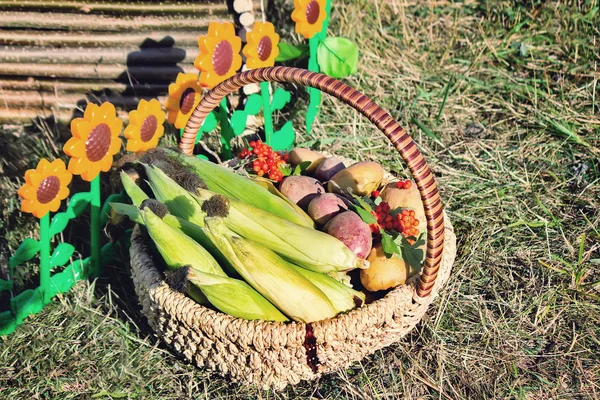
{"x":273,"y":355}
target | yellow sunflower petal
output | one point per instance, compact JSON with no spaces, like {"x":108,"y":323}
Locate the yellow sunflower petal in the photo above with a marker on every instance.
{"x":27,"y":192}
{"x":77,"y":166}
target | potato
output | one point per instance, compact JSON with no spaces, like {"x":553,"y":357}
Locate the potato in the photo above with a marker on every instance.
{"x":324,"y":207}
{"x":361,"y":178}
{"x":328,"y":168}
{"x":384,"y":273}
{"x":350,"y":229}
{"x":405,"y":198}
{"x":301,"y":189}
{"x":300,"y":155}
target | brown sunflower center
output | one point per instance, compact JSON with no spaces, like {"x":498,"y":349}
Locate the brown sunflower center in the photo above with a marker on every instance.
{"x":98,"y":143}
{"x":312,"y":12}
{"x":222,"y":57}
{"x":187,"y":100}
{"x":264,"y":48}
{"x":48,"y":189}
{"x":148,"y":128}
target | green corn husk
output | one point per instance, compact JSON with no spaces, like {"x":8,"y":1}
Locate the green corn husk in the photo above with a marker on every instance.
{"x":176,"y":248}
{"x":135,"y":193}
{"x":231,"y":296}
{"x":234,"y":186}
{"x":179,"y":201}
{"x":305,"y":247}
{"x":271,"y":275}
{"x":342,"y":297}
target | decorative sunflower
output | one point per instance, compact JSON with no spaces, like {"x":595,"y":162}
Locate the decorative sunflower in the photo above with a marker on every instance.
{"x":45,"y":187}
{"x":219,"y":56}
{"x":184,"y":96}
{"x":145,"y":126}
{"x":309,"y":16}
{"x":95,"y":141}
{"x":262,"y":46}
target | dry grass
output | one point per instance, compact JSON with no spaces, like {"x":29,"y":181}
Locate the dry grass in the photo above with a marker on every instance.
{"x":502,"y":98}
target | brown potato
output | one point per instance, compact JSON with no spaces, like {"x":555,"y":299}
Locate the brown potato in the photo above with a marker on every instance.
{"x":360,"y":178}
{"x":405,"y":198}
{"x":300,"y":155}
{"x":301,"y":189}
{"x":350,"y":229}
{"x":324,"y":207}
{"x":384,"y":273}
{"x":328,"y":168}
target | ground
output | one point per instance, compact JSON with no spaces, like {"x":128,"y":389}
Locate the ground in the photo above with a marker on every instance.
{"x":501,"y":98}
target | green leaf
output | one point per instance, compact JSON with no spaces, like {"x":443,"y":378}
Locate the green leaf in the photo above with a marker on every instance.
{"x":377,"y":201}
{"x":5,"y":285}
{"x":209,"y":124}
{"x":61,"y":254}
{"x":365,"y":215}
{"x":280,"y":98}
{"x":78,"y":204}
{"x":284,"y":138}
{"x":26,"y":251}
{"x":411,"y":253}
{"x":238,"y":122}
{"x":290,"y":52}
{"x":300,"y":168}
{"x":286,"y":169}
{"x":253,"y":104}
{"x":337,"y":57}
{"x":59,"y":223}
{"x":388,"y":244}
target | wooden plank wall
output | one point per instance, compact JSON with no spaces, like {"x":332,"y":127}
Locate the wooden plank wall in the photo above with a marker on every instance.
{"x":55,"y":55}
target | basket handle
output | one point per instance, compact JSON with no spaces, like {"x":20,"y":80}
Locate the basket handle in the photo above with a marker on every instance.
{"x":393,"y":131}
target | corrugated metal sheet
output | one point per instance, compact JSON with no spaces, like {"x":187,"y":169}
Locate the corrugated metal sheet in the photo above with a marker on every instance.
{"x":57,"y":55}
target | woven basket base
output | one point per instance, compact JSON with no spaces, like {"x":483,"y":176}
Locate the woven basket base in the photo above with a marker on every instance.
{"x":273,"y":355}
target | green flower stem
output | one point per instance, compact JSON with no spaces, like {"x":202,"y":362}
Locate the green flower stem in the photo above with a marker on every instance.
{"x":95,"y":226}
{"x":266,"y":100}
{"x":45,"y":257}
{"x":226,"y":132}
{"x":313,"y":65}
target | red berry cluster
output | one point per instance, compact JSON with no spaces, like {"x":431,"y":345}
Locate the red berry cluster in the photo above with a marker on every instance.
{"x":404,"y":222}
{"x":404,"y":184}
{"x":266,"y":161}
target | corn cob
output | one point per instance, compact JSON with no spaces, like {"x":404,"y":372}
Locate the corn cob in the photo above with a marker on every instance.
{"x":231,"y":296}
{"x":176,"y":248}
{"x":234,"y":186}
{"x":135,"y":193}
{"x":192,"y":230}
{"x":271,"y":275}
{"x":341,"y":296}
{"x":179,"y":201}
{"x":304,"y":246}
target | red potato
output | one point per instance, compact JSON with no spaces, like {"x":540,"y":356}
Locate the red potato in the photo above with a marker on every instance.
{"x":324,"y":207}
{"x":328,"y":168}
{"x":301,"y":189}
{"x":350,"y":229}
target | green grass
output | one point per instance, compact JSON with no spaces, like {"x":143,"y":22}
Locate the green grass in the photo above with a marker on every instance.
{"x":503,"y":100}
